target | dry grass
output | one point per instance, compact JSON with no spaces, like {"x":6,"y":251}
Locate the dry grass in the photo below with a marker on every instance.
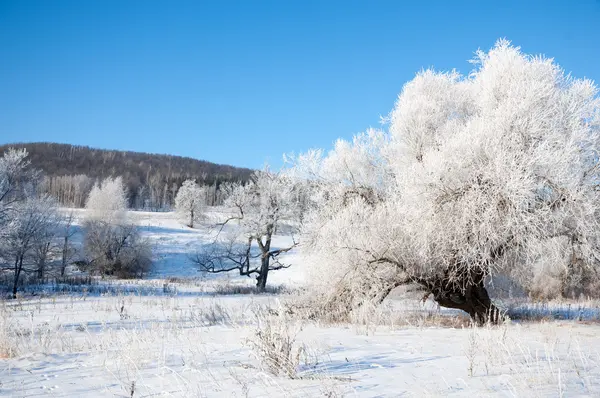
{"x":540,"y":361}
{"x":8,"y":347}
{"x":368,"y":317}
{"x":274,"y":342}
{"x":227,"y":288}
{"x":180,"y":341}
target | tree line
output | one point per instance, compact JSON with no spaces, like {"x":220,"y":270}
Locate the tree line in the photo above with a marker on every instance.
{"x":151,"y":180}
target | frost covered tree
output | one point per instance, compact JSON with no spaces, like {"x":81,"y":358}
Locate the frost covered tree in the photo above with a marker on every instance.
{"x":16,"y":178}
{"x":34,"y":225}
{"x":108,"y":200}
{"x":491,"y":173}
{"x":190,"y":202}
{"x":25,"y":218}
{"x":112,"y":243}
{"x":244,"y":241}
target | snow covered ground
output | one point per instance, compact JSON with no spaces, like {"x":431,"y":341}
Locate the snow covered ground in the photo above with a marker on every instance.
{"x":171,"y":335}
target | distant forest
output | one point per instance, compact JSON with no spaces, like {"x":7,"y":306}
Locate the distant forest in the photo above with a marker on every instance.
{"x":152,"y":180}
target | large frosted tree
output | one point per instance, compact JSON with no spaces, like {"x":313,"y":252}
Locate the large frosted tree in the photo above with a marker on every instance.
{"x":494,"y":172}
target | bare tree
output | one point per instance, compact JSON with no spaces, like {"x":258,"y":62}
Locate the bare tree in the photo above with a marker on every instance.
{"x":244,"y":239}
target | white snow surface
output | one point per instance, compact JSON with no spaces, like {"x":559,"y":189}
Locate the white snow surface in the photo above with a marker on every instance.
{"x":170,"y":335}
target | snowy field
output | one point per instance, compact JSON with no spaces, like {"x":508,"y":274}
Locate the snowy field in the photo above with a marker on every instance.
{"x":179,"y":333}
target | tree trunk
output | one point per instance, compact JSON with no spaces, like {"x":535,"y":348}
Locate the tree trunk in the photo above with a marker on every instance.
{"x":18,"y":268}
{"x":474,"y":300}
{"x":261,"y":280}
{"x":41,"y":269}
{"x":65,"y":252}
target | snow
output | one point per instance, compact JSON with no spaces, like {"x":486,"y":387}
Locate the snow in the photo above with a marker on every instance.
{"x":171,"y":336}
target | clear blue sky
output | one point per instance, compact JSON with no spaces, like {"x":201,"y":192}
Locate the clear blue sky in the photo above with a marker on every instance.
{"x":241,"y":82}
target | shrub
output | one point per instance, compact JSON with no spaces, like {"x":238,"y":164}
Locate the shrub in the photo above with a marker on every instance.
{"x":116,"y":250}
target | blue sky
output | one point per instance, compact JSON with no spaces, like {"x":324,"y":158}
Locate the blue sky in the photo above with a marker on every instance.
{"x":242,"y":82}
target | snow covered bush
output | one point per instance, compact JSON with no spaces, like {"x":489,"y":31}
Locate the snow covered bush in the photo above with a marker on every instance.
{"x":190,"y":202}
{"x":491,"y":173}
{"x":116,"y":249}
{"x":112,"y":244}
{"x":274,"y":342}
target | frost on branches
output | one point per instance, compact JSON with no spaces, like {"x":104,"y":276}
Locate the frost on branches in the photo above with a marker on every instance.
{"x":491,"y":173}
{"x":15,"y":180}
{"x":189,"y":202}
{"x":107,"y":201}
{"x":112,"y":243}
{"x":34,"y":225}
{"x":244,"y":239}
{"x":27,"y":220}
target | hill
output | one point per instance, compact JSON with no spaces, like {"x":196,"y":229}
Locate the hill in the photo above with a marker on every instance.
{"x":152,"y":179}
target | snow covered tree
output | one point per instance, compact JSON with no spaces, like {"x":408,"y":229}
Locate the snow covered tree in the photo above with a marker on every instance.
{"x":24,"y":218}
{"x":16,"y":178}
{"x":495,"y":172}
{"x":190,"y":202}
{"x":34,"y":225}
{"x":107,"y":201}
{"x":112,"y":243}
{"x":258,"y":208}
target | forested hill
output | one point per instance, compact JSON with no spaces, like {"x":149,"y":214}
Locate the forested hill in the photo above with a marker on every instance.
{"x":148,"y":177}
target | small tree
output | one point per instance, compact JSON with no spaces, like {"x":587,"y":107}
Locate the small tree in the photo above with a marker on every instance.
{"x":190,"y":202}
{"x":259,"y":209}
{"x":112,"y":244}
{"x":107,"y":201}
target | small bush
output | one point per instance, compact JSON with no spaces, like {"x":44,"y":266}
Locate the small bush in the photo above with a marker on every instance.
{"x":274,"y":342}
{"x":214,"y":314}
{"x":116,"y":249}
